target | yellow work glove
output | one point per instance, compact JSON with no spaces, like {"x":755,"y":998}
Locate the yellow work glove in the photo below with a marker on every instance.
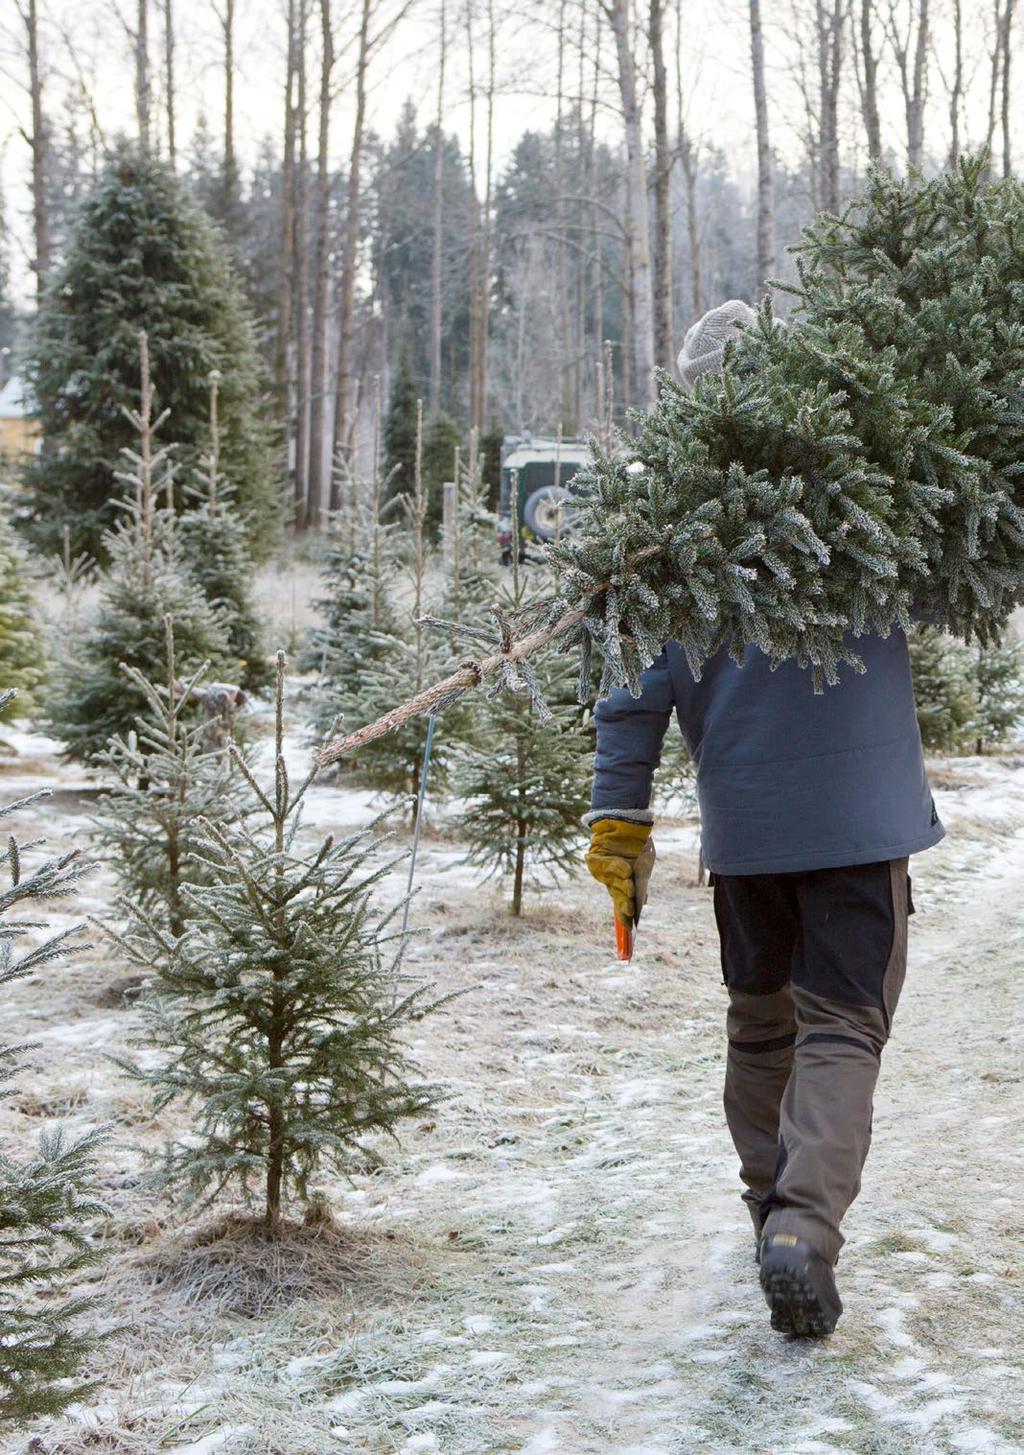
{"x":621,"y":857}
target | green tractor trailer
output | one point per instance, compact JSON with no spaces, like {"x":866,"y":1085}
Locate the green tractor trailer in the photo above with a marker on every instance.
{"x":536,"y":473}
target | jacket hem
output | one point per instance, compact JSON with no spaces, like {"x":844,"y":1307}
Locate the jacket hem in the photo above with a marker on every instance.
{"x":834,"y":859}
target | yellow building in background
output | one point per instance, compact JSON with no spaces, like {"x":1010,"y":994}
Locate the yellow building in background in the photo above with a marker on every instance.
{"x":20,"y":437}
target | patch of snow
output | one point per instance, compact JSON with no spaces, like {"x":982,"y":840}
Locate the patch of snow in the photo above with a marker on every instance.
{"x":979,"y":1441}
{"x":891,"y":1320}
{"x":439,"y":1173}
{"x":217,"y":1441}
{"x":99,"y":1032}
{"x":478,"y":1323}
{"x":347,"y":1403}
{"x":543,"y":1443}
{"x":487,"y":1358}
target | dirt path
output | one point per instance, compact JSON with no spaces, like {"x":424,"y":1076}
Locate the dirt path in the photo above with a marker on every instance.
{"x":567,"y":1269}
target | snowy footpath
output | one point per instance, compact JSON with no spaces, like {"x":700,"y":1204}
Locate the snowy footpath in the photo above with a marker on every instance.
{"x":557,"y":1262}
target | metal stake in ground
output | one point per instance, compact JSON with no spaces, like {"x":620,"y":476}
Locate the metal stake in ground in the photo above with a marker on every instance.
{"x":427,"y":749}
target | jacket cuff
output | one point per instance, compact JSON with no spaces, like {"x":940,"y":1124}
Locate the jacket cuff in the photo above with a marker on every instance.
{"x":624,"y":815}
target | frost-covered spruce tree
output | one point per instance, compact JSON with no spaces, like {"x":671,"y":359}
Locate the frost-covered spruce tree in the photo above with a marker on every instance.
{"x":165,"y":778}
{"x":404,"y":658}
{"x":358,"y":619}
{"x":999,"y":693}
{"x":473,"y":570}
{"x":945,"y":692}
{"x":22,"y":656}
{"x":92,"y":700}
{"x":278,"y":1016}
{"x":523,"y":782}
{"x":215,"y":548}
{"x":46,"y":1200}
{"x":865,"y":459}
{"x":142,"y":254}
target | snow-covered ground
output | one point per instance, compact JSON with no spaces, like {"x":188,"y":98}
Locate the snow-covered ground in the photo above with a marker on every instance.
{"x":558,"y":1263}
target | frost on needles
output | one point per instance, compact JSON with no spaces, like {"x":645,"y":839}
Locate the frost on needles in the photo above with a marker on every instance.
{"x":859,"y":464}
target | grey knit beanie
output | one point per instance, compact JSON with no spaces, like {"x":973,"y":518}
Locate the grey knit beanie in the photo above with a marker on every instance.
{"x":704,"y":345}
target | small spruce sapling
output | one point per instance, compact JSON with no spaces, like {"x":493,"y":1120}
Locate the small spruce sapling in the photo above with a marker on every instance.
{"x":165,"y":779}
{"x":45,"y":1202}
{"x":404,"y":659}
{"x":359,"y":621}
{"x":278,"y":1016}
{"x":944,"y":689}
{"x":22,"y":659}
{"x":999,"y":692}
{"x":215,"y":547}
{"x":92,"y":701}
{"x":524,"y":782}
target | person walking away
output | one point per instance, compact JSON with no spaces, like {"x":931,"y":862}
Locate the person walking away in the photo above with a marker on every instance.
{"x":810,"y":809}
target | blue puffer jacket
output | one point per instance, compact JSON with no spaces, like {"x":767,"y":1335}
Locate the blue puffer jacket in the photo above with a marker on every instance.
{"x":786,"y":780}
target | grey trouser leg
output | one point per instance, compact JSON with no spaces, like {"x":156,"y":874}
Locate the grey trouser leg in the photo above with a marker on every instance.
{"x":762,"y":1030}
{"x":806,"y":1107}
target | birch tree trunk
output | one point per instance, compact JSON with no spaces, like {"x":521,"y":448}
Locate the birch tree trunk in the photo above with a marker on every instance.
{"x":480,"y":302}
{"x":565,"y":350}
{"x":869,"y":83}
{"x":765,"y":176}
{"x":474,"y":230}
{"x":641,"y":294}
{"x":913,"y":75}
{"x":919,"y":94}
{"x":302,"y":338}
{"x":142,"y":87}
{"x":170,"y":99}
{"x":39,"y":146}
{"x":956,"y":90}
{"x":831,"y":19}
{"x":287,"y":244}
{"x":437,"y":246}
{"x":687,"y":153}
{"x":1008,"y":11}
{"x":993,"y":89}
{"x":318,"y":428}
{"x":347,"y":302}
{"x":662,"y":192}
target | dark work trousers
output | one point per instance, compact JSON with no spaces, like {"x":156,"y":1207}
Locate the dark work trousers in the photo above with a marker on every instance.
{"x":814,"y":963}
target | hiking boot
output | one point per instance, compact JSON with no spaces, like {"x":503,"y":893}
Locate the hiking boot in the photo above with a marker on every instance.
{"x":799,"y":1287}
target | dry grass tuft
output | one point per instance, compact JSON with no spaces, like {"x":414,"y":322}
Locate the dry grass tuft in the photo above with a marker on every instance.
{"x":235,"y":1266}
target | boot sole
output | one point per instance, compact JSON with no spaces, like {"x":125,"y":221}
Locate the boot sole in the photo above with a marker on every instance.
{"x":796,"y":1307}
